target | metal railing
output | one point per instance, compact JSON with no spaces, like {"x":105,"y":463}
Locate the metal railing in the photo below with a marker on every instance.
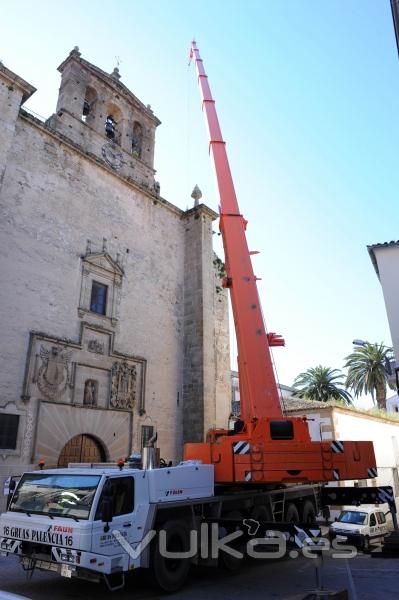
{"x":29,"y":111}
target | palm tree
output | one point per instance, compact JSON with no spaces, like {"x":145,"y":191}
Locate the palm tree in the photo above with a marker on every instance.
{"x":321,"y":384}
{"x":368,"y":373}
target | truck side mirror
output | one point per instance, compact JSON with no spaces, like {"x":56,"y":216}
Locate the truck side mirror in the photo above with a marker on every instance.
{"x":106,"y":513}
{"x":11,"y":489}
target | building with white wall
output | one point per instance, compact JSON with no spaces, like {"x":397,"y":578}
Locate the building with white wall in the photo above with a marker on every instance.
{"x":385,"y":259}
{"x":393,"y":404}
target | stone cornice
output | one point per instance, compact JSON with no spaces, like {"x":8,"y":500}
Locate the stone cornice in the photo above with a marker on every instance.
{"x":201,"y":209}
{"x":14,"y":79}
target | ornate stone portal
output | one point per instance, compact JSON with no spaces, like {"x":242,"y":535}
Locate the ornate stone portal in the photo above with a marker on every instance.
{"x":89,"y":377}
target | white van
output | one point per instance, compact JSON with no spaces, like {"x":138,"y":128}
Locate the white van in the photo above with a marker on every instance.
{"x":360,"y":526}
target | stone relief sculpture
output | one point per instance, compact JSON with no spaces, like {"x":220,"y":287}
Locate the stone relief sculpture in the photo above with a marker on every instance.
{"x":54,"y":372}
{"x":95,"y":346}
{"x":90,"y":393}
{"x":28,"y":435}
{"x":123,"y":385}
{"x":137,"y":140}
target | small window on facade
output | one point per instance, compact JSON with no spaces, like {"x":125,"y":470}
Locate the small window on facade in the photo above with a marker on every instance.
{"x":121,"y":492}
{"x":110,"y":127}
{"x":147,"y":431}
{"x":98,"y":302}
{"x":90,"y":393}
{"x":8,"y":431}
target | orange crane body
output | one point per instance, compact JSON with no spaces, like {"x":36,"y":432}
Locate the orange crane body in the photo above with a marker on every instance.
{"x":270,"y":448}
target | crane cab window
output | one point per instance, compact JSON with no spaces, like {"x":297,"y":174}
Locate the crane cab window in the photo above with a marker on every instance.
{"x":281,"y":430}
{"x":121,"y":492}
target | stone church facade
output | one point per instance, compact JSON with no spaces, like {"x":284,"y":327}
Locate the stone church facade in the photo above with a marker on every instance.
{"x":113,"y":322}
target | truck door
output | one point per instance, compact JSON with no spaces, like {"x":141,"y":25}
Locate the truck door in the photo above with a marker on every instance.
{"x":373,"y":525}
{"x":382,"y":523}
{"x":120,"y":492}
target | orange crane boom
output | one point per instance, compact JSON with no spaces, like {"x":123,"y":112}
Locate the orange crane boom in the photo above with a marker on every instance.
{"x":258,"y":389}
{"x":267,"y":447}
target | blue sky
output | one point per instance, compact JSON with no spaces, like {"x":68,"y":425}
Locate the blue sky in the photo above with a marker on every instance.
{"x":307,"y":93}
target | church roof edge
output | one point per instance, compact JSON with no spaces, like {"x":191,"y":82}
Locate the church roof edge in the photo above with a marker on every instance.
{"x":27,"y":88}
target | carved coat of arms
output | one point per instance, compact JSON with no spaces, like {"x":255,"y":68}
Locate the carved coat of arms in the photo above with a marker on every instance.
{"x":54,"y":372}
{"x":123,"y":385}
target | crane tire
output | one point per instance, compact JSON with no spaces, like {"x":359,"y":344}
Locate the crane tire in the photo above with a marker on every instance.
{"x":261,"y":512}
{"x":308,"y":513}
{"x":226,"y":561}
{"x":366,"y":544}
{"x":169,"y":574}
{"x":291,"y":513}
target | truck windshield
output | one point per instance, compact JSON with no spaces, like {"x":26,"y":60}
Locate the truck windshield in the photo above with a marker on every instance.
{"x":55,"y":494}
{"x":352,"y":516}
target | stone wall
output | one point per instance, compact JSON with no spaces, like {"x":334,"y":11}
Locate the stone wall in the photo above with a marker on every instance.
{"x":53,"y":199}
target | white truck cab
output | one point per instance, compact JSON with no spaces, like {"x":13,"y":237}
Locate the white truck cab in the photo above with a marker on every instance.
{"x":360,"y":526}
{"x":57,"y":519}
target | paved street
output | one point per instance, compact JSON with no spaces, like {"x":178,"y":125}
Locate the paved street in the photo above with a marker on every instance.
{"x":373,"y":579}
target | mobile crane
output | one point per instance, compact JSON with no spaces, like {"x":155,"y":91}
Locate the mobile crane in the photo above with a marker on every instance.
{"x":265,"y":475}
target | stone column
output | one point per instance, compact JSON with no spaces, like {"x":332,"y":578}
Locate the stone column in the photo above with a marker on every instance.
{"x":199,"y":372}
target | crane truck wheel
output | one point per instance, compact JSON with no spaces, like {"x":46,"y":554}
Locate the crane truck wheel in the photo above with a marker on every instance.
{"x":308,"y":512}
{"x":291,"y":513}
{"x":261,"y":513}
{"x":366,"y":545}
{"x":170,"y":574}
{"x":226,"y":561}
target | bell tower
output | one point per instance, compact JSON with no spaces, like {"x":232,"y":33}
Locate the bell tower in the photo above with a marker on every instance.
{"x":96,"y":111}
